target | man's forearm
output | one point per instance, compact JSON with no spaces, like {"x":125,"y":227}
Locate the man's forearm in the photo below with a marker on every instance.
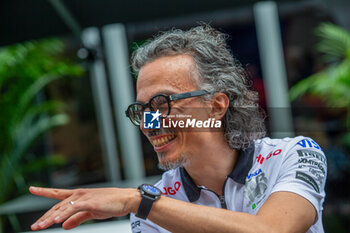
{"x":179,"y":216}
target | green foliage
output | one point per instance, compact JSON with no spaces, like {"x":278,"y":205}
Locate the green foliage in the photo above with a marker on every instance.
{"x":332,"y":84}
{"x":334,"y":42}
{"x":25,"y":70}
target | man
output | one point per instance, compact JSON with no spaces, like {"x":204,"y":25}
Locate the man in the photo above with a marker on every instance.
{"x":220,"y":179}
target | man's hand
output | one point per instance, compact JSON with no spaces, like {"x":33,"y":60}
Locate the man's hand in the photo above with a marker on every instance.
{"x":80,"y":205}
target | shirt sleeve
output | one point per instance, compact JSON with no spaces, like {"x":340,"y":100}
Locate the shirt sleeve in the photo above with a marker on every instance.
{"x":304,"y":171}
{"x":139,"y":225}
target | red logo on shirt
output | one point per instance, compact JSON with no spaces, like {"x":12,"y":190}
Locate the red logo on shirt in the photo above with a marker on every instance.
{"x":171,"y":190}
{"x":260,"y":159}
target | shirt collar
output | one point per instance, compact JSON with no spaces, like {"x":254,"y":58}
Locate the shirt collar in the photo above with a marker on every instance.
{"x":243,"y":165}
{"x":238,"y":174}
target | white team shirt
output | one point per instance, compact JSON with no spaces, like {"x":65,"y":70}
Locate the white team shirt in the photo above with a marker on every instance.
{"x":296,"y":165}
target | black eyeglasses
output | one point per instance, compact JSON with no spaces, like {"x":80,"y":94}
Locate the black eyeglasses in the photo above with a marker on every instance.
{"x":159,"y":102}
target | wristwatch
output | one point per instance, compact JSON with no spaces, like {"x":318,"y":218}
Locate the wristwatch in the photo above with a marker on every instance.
{"x":149,"y":194}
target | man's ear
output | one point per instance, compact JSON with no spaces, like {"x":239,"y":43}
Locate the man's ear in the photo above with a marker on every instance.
{"x":220,"y":103}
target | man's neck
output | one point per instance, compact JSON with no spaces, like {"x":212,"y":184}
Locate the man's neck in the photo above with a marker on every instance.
{"x":212,"y":164}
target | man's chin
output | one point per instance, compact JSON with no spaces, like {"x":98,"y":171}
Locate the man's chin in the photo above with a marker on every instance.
{"x":166,"y":165}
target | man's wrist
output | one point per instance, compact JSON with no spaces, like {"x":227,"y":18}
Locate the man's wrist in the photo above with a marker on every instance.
{"x":134,"y":200}
{"x":149,"y":194}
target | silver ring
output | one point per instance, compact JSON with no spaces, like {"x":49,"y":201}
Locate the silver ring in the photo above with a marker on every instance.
{"x":71,"y":202}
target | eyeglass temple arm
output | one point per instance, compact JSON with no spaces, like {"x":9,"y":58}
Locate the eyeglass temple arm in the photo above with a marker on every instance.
{"x":188,"y":95}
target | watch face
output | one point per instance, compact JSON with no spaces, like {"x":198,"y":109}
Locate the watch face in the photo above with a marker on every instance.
{"x":151,"y":189}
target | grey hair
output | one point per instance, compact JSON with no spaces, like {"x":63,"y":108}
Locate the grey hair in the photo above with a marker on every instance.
{"x":218,"y":71}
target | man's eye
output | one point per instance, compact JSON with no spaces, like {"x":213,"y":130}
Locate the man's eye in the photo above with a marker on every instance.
{"x":158,"y":101}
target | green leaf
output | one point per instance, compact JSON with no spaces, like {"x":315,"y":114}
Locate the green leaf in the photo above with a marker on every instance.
{"x":32,"y":91}
{"x":334,"y":41}
{"x":30,"y":131}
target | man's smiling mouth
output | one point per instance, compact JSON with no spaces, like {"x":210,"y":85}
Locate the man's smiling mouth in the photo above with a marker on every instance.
{"x":160,"y":138}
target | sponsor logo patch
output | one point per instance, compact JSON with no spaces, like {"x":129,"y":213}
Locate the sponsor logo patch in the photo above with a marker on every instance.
{"x":311,"y":163}
{"x":308,"y":179}
{"x":312,"y":154}
{"x":320,"y":177}
{"x":255,"y":189}
{"x":305,"y":143}
{"x":172,"y":190}
{"x":260,"y":159}
{"x":135,"y":224}
{"x":312,"y":159}
{"x":254,"y":174}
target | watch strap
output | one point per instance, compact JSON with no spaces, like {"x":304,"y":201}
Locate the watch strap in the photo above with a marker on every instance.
{"x":145,"y":207}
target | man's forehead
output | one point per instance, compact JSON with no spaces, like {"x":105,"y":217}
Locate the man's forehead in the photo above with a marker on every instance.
{"x":172,"y":74}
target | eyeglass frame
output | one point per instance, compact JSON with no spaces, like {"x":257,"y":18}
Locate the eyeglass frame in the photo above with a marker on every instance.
{"x":169,"y":99}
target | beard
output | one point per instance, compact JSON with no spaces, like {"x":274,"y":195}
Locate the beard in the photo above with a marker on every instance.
{"x":168,"y":165}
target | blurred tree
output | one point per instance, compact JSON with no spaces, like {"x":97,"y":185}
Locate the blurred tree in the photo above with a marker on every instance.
{"x":331,"y":84}
{"x":25,"y":70}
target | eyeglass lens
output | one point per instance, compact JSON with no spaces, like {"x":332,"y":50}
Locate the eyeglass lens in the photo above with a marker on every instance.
{"x":158,"y":102}
{"x":135,"y":113}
